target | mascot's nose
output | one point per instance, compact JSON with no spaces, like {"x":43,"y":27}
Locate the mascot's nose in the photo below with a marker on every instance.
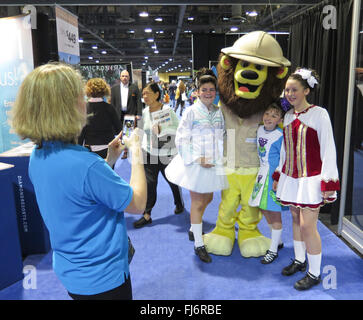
{"x":249,"y":74}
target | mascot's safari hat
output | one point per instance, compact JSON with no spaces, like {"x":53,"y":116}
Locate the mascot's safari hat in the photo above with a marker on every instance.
{"x":258,"y":47}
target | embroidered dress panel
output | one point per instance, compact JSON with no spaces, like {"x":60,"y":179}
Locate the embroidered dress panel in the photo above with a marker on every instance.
{"x":308,"y":160}
{"x":299,"y":163}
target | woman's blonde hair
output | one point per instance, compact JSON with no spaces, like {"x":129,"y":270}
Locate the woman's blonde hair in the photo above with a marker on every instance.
{"x":47,"y":106}
{"x":97,"y":88}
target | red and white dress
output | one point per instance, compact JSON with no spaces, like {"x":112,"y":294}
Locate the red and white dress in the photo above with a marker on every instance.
{"x":308,"y":159}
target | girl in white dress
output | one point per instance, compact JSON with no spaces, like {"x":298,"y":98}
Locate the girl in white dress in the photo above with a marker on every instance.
{"x":198,"y":166}
{"x":307,"y":174}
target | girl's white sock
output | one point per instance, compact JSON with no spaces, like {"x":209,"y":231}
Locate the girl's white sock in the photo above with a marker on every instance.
{"x":300,"y":251}
{"x":275,"y":239}
{"x":270,"y":226}
{"x":197,"y":231}
{"x":314,"y":264}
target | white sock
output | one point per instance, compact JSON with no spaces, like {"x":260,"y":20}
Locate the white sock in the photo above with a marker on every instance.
{"x":314,"y":264}
{"x":191,"y":229}
{"x":300,"y":250}
{"x":270,"y":226}
{"x":275,"y":239}
{"x":197,"y":231}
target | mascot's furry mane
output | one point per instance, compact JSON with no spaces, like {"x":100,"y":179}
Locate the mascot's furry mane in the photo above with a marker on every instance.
{"x":245,"y":108}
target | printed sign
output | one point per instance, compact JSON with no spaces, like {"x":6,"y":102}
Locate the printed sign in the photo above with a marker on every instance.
{"x":16,"y":61}
{"x":108,"y":72}
{"x":67,"y":36}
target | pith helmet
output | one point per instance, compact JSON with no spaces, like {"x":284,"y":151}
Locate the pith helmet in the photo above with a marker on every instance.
{"x":258,"y":47}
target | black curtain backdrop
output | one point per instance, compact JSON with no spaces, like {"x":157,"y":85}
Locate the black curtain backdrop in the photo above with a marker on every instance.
{"x":327,"y":51}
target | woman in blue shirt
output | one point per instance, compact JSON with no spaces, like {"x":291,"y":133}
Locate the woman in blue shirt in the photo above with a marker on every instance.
{"x":81,"y":199}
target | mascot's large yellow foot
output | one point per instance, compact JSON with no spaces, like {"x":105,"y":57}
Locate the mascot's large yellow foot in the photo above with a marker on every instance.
{"x":220,"y":242}
{"x":252,"y":243}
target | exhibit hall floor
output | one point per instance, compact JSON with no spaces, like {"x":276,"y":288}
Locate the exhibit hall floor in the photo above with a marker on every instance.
{"x":165,"y":267}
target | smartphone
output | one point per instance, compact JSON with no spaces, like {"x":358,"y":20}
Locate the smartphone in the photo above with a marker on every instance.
{"x":128,"y":127}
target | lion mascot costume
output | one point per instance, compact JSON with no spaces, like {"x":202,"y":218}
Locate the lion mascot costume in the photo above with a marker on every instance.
{"x":251,"y":75}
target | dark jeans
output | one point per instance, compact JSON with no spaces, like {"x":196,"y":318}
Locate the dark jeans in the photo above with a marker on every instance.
{"x":123,"y":292}
{"x":153,"y":166}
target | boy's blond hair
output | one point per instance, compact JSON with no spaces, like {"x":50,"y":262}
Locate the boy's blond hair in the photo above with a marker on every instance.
{"x":47,"y":106}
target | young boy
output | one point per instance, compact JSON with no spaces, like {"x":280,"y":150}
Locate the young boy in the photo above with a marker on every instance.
{"x":269,"y":141}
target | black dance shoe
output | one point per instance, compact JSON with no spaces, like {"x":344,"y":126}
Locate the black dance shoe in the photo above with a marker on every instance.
{"x":294,"y":267}
{"x":202,"y":253}
{"x":269,"y":257}
{"x":142,"y":222}
{"x":178,"y":209}
{"x":307,"y":282}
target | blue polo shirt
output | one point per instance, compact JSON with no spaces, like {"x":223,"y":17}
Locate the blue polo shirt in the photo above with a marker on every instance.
{"x":81,"y":200}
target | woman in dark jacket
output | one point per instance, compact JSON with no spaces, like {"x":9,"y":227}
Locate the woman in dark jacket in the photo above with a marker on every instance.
{"x":102,"y":123}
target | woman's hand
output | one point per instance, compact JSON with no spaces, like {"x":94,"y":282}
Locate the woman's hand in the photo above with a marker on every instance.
{"x":155,"y":129}
{"x":134,"y":140}
{"x":327,"y":194}
{"x":204,"y":162}
{"x":115,"y":148}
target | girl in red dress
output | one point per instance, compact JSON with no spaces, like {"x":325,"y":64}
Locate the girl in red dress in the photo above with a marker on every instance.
{"x":307,"y":176}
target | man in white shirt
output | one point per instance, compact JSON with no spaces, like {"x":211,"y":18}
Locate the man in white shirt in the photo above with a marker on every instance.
{"x":126,"y":99}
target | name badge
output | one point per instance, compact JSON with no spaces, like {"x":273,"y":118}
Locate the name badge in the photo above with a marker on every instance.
{"x":251,"y":140}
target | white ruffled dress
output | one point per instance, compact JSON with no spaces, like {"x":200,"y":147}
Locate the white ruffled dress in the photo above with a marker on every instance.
{"x":199,"y":134}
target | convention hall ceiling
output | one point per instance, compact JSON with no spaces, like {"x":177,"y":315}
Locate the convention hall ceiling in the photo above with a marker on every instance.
{"x":116,"y":31}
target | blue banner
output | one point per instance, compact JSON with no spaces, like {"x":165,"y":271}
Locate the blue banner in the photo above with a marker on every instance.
{"x":16,"y":61}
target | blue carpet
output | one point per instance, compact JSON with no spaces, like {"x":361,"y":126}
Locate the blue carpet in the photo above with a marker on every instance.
{"x":165,"y":266}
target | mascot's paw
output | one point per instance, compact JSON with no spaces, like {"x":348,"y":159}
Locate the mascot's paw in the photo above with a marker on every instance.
{"x":218,"y":244}
{"x":253,"y":246}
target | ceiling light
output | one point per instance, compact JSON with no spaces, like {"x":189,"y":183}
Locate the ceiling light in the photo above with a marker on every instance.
{"x":252,"y":13}
{"x":104,"y":52}
{"x":190,"y":18}
{"x":80,"y":40}
{"x":131,"y":31}
{"x":97,"y":61}
{"x":148,"y":30}
{"x":234,"y":29}
{"x":225,"y":19}
{"x":150,"y":40}
{"x":90,"y":58}
{"x":146,"y":57}
{"x":161,"y":31}
{"x":143,"y":14}
{"x":159,"y":19}
{"x":153,"y":47}
{"x":94,"y":47}
{"x":156,"y":51}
